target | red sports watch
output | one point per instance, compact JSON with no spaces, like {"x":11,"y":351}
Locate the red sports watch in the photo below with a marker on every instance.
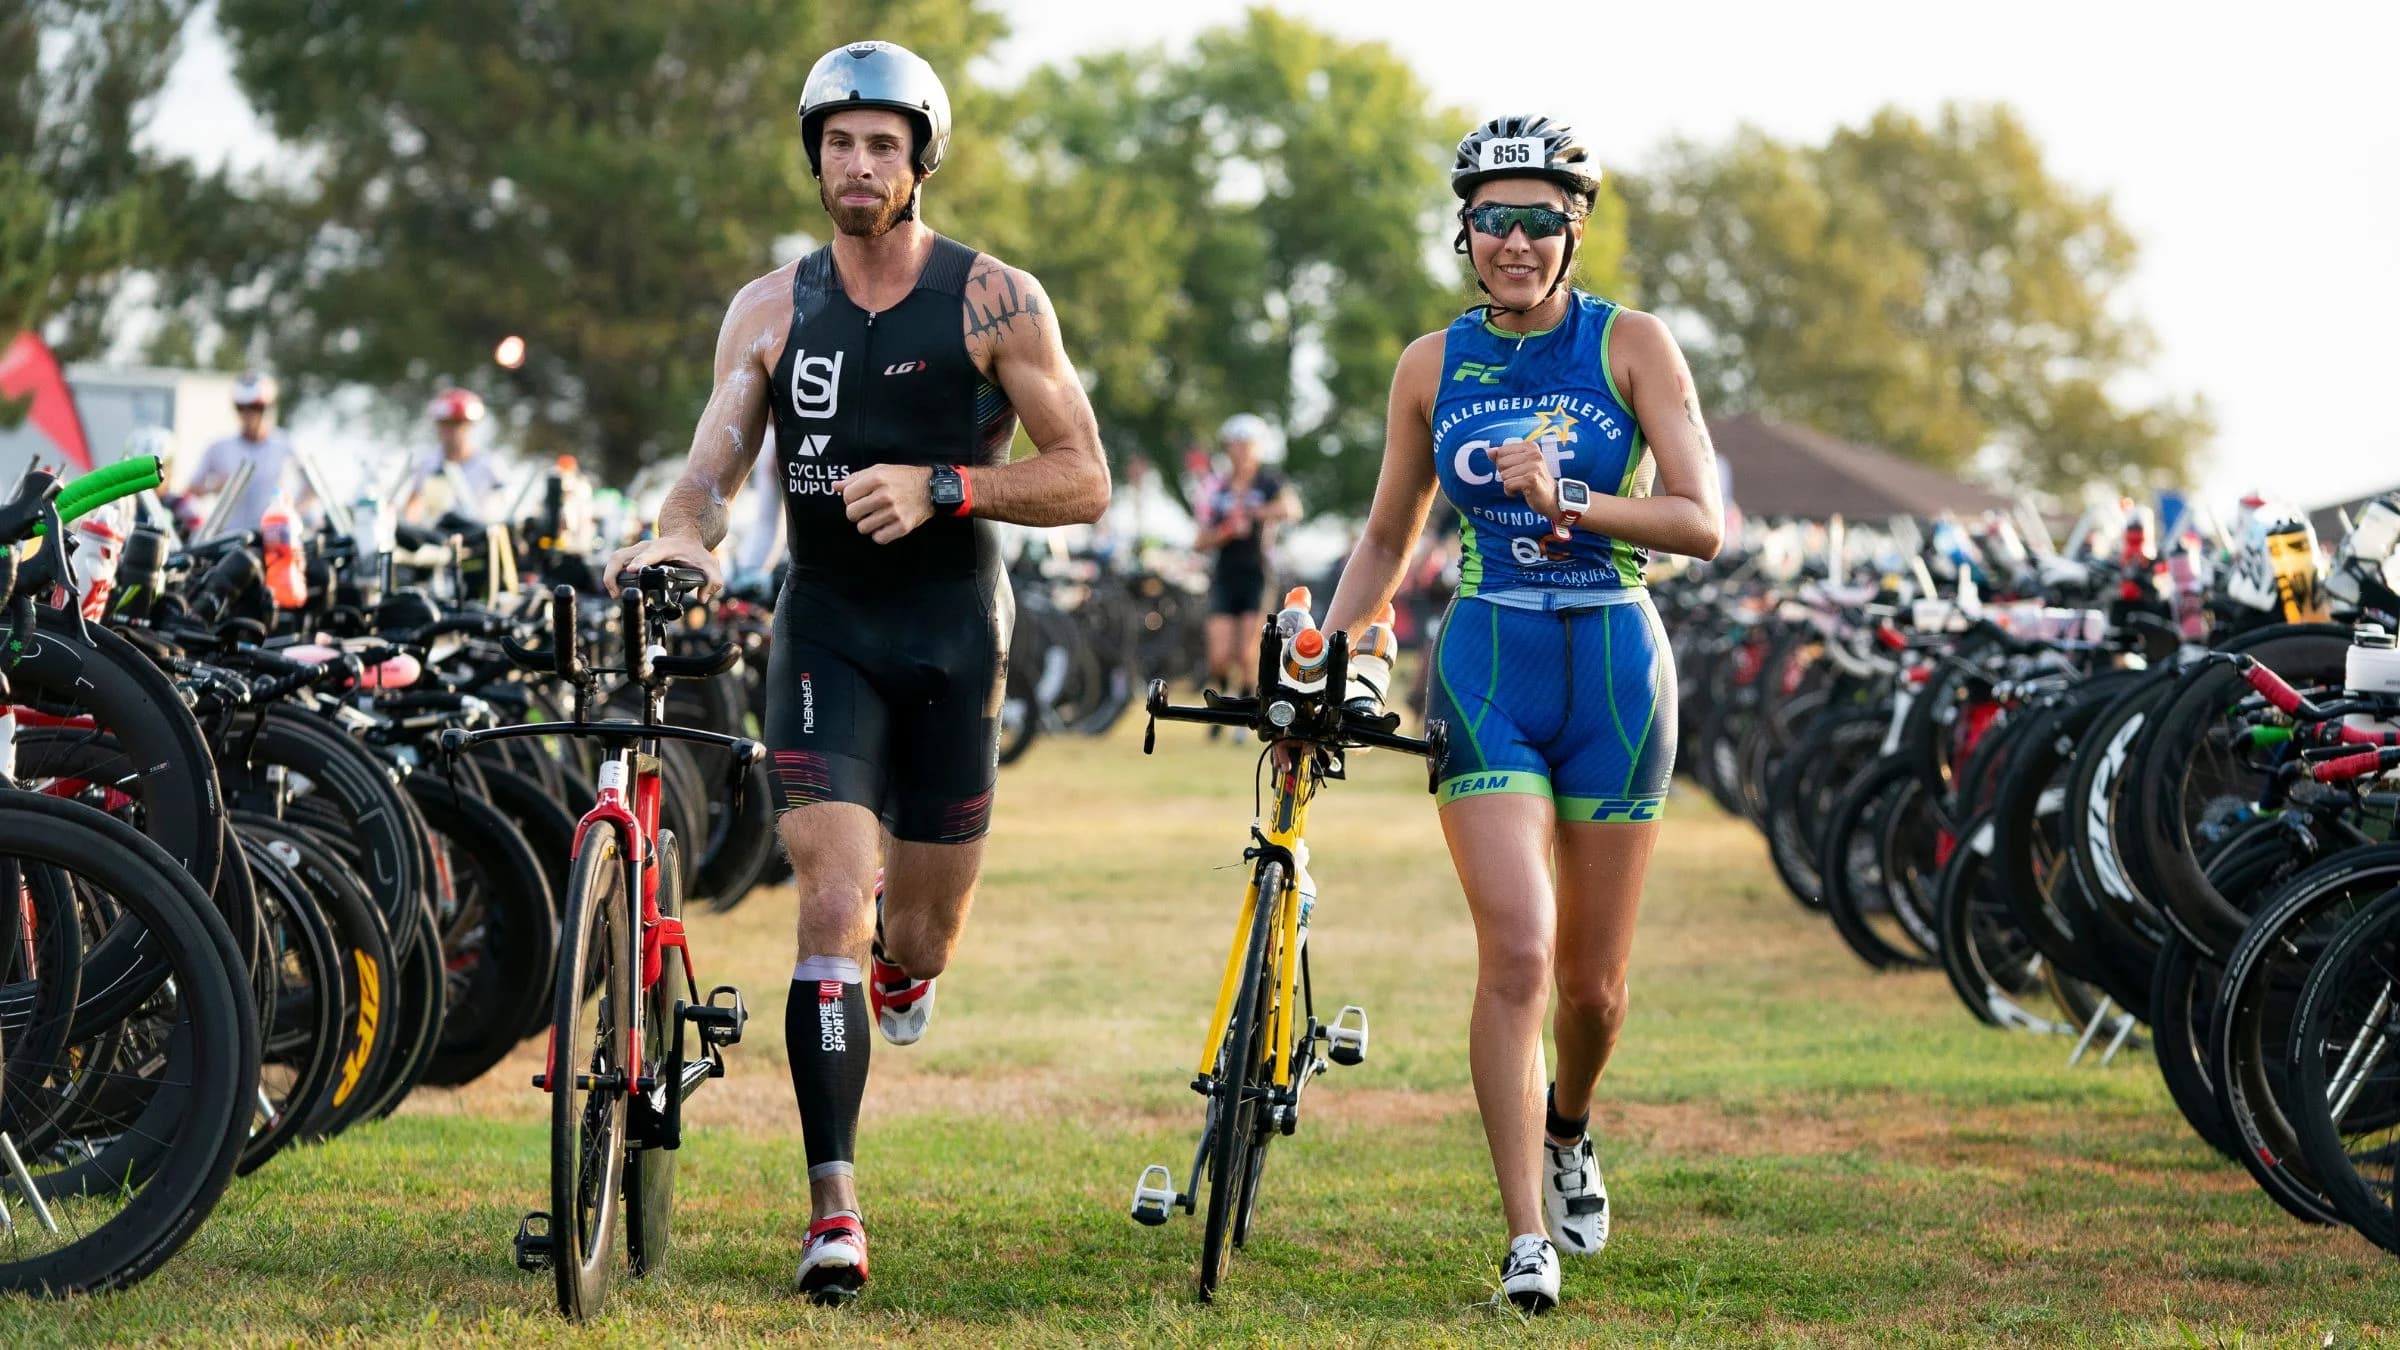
{"x":1574,"y":497}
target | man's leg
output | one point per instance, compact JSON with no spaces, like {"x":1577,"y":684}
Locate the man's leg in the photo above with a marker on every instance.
{"x":927,"y":890}
{"x":832,"y":845}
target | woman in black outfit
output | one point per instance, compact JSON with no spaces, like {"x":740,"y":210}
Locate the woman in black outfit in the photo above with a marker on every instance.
{"x":1239,"y":510}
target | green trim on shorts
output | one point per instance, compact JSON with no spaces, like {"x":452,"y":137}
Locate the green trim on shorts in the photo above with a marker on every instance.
{"x":1611,"y":810}
{"x":1493,"y":780}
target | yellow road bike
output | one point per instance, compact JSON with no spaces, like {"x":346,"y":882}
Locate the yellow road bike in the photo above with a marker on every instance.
{"x":1264,"y":1041}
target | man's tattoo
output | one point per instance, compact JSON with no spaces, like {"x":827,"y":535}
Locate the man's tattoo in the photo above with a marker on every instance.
{"x":996,"y":303}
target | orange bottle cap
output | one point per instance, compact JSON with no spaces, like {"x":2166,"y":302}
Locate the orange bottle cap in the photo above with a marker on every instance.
{"x":1309,"y":644}
{"x":1298,"y":595}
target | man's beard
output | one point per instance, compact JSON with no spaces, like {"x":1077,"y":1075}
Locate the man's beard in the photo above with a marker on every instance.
{"x":862,"y":222}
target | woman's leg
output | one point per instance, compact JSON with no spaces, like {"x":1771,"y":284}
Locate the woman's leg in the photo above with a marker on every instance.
{"x":1610,"y":792}
{"x":1500,"y":842}
{"x":1600,"y":871}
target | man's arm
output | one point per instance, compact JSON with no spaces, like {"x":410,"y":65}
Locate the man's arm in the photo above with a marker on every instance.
{"x":692,"y":519}
{"x":1013,"y":336}
{"x":211,"y":474}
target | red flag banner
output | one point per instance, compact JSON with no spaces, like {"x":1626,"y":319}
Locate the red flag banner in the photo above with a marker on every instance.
{"x":28,"y":367}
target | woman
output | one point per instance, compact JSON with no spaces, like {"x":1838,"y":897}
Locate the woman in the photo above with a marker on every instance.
{"x":1567,"y":433}
{"x":1238,"y":512}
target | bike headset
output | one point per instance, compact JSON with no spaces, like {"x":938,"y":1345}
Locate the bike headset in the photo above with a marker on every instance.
{"x":877,"y":75}
{"x":1563,"y":161}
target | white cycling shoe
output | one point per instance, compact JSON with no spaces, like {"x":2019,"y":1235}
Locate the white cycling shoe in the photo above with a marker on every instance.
{"x":1574,"y":1198}
{"x":1529,"y":1277}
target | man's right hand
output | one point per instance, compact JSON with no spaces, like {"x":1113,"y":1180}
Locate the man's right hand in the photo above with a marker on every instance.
{"x":678,"y":550}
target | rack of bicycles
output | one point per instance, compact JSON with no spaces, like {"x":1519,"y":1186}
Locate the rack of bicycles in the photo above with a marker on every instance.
{"x":2136,"y":792}
{"x":254,"y":901}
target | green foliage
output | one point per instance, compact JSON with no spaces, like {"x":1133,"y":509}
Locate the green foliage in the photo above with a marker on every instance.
{"x":1257,"y":227}
{"x":1926,"y":287}
{"x":80,"y":202}
{"x":597,"y":177}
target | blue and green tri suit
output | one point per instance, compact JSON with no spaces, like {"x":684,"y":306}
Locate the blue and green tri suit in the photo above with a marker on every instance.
{"x":1552,"y":669}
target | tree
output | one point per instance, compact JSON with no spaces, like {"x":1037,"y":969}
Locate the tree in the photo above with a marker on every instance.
{"x":596,"y":177}
{"x":1929,"y":288}
{"x":1261,"y":226}
{"x":80,"y":201}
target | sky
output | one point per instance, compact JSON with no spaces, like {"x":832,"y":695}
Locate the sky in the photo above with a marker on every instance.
{"x":2254,"y":152}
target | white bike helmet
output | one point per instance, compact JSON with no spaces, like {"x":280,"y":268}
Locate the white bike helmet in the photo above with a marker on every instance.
{"x":1243,"y":427}
{"x":255,"y":389}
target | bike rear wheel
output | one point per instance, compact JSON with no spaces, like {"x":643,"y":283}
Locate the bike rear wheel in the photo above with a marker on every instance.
{"x":587,"y":1068}
{"x":650,"y":1172}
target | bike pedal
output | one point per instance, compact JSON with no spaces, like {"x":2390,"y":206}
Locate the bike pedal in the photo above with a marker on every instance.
{"x":534,"y":1250}
{"x":1346,"y":1039}
{"x":719,"y":1024}
{"x":1151,"y":1202}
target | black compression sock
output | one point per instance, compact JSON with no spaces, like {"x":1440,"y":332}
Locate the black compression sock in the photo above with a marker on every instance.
{"x":1563,"y":1127}
{"x":828,"y":1034}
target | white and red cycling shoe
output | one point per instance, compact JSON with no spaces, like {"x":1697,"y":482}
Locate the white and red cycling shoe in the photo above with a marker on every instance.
{"x":903,"y":1006}
{"x":833,"y":1262}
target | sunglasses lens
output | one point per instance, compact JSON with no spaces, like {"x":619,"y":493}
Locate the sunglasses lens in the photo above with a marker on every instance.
{"x":1540,"y":222}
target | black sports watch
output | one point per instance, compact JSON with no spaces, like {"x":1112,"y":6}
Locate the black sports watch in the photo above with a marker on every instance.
{"x":951,"y":495}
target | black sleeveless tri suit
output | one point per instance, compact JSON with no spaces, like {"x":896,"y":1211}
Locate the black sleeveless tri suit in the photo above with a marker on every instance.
{"x":889,"y":659}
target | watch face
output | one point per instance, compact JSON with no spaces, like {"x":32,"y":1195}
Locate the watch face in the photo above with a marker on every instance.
{"x":946,"y":487}
{"x":1574,"y":494}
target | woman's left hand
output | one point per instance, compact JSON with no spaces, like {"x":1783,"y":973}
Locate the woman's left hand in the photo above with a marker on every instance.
{"x":1525,"y":472}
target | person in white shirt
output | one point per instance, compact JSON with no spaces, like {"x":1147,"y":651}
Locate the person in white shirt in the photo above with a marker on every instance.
{"x":274,"y":462}
{"x":455,"y":479}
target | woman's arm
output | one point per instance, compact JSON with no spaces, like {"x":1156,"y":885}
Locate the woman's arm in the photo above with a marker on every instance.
{"x":1683,"y":514}
{"x":1403,"y":492}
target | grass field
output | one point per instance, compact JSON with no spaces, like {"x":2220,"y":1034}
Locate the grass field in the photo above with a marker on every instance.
{"x":1798,"y":1149}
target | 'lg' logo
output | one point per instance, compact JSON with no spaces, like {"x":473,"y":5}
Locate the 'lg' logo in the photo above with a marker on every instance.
{"x":816,"y":384}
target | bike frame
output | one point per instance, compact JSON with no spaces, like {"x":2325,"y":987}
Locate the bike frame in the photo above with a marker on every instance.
{"x":1281,"y":837}
{"x":634,"y":817}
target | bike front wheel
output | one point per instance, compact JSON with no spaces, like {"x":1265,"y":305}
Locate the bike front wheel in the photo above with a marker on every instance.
{"x":1241,"y":1084}
{"x":593,"y":1030}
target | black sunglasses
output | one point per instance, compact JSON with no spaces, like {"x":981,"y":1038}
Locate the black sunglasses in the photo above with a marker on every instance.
{"x":1539,"y":222}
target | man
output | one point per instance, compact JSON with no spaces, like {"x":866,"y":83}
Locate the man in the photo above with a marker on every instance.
{"x":896,"y":366}
{"x":274,"y":463}
{"x":455,"y":478}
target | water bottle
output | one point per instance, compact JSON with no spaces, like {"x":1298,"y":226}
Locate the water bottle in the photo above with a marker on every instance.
{"x":1295,"y":614}
{"x":368,"y":544}
{"x":2374,"y":662}
{"x":99,"y":539}
{"x":1306,"y":885}
{"x":141,"y":572}
{"x":286,"y":556}
{"x":1304,"y":656}
{"x":1371,"y":663}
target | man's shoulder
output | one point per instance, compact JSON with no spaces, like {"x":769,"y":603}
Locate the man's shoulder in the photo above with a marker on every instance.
{"x":989,"y":272}
{"x":1003,"y":302}
{"x":765,"y":292}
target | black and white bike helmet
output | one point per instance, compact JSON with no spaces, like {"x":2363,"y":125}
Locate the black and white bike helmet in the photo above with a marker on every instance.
{"x":876,"y":75}
{"x":1521,"y":146}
